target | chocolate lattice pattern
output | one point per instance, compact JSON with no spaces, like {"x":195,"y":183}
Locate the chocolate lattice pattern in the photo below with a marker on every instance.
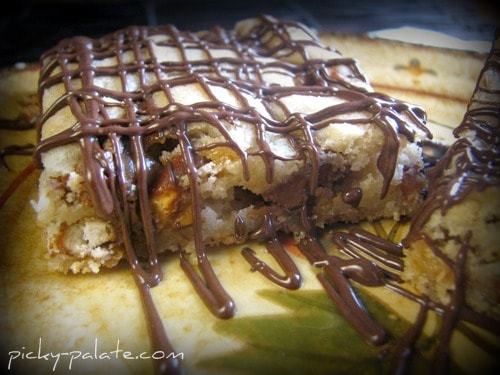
{"x":265,"y":90}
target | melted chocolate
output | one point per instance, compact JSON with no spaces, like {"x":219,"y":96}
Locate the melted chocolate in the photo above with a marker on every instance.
{"x":352,"y":197}
{"x":370,"y":260}
{"x":26,"y":150}
{"x":18,"y":180}
{"x":20,"y":124}
{"x":472,"y":163}
{"x":17,"y":124}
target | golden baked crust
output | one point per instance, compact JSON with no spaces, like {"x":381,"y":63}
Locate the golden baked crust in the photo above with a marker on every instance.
{"x":190,"y":133}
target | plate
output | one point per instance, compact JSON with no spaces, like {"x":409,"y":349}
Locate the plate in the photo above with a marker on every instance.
{"x":95,"y":323}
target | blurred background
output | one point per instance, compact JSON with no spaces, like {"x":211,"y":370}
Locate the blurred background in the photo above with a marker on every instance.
{"x":28,"y":28}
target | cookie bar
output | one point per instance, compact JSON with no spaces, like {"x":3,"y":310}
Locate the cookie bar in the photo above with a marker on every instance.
{"x":158,"y":139}
{"x":452,"y":246}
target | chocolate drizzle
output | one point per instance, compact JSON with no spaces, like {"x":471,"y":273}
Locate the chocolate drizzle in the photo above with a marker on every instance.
{"x":335,"y":276}
{"x":19,"y":124}
{"x":352,"y":197}
{"x":26,"y":150}
{"x":472,"y":163}
{"x":22,"y":123}
{"x":116,"y":152}
{"x":292,"y":278}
